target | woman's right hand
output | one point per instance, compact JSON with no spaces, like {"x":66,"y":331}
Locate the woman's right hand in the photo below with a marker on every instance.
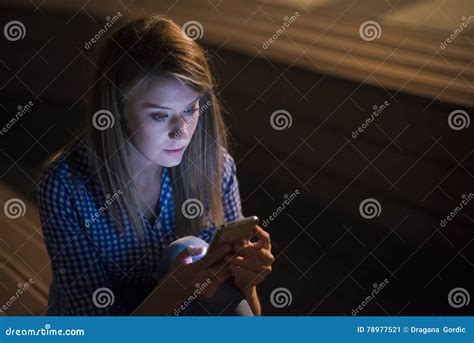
{"x":206,"y":274}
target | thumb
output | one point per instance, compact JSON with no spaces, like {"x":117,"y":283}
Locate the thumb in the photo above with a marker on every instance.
{"x":185,"y":255}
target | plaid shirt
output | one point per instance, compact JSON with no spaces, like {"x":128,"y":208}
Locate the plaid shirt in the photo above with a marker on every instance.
{"x":96,"y":269}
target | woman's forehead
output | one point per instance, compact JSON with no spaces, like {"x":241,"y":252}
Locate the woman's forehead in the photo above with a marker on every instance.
{"x":167,"y":91}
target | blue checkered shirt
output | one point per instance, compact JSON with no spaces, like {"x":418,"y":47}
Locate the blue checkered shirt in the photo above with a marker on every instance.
{"x":96,"y":269}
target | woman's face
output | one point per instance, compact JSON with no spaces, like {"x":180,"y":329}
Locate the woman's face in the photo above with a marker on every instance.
{"x":162,"y":118}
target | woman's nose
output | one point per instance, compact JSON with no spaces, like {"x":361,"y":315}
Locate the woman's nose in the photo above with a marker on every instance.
{"x":179,"y":129}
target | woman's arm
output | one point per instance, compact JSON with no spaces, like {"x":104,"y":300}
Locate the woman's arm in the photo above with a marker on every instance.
{"x":82,"y":286}
{"x":251,"y":264}
{"x":252,"y":298}
{"x":181,"y":279}
{"x":162,"y":301}
{"x":232,"y":211}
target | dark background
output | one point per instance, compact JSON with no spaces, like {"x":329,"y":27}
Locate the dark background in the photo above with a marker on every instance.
{"x":327,"y":255}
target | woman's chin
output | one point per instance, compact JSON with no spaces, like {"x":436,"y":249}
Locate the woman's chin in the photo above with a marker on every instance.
{"x":170,"y":162}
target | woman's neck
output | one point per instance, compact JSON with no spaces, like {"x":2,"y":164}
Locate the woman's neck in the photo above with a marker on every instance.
{"x":145,"y":173}
{"x":147,"y":179}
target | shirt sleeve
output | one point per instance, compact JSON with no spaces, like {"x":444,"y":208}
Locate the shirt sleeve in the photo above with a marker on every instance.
{"x":80,"y":281}
{"x":230,"y":196}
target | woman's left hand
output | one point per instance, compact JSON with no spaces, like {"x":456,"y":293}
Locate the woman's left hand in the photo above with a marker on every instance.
{"x":252,"y":262}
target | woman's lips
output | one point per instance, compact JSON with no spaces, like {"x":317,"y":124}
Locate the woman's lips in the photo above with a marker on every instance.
{"x":174,"y":152}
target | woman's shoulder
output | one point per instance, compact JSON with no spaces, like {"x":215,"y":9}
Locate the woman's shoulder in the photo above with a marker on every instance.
{"x":61,"y":167}
{"x":229,"y":171}
{"x":229,"y":165}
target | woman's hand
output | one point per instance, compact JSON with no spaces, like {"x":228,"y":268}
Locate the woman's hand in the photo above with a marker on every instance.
{"x":184,"y":279}
{"x":205,"y":274}
{"x":252,"y":262}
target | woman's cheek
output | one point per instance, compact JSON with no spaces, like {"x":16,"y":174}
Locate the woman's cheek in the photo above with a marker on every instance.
{"x":193,"y":125}
{"x":148,"y":140}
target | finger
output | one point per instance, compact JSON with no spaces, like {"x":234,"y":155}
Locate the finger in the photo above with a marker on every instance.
{"x":185,"y":255}
{"x":195,"y":253}
{"x":215,"y":254}
{"x":249,"y":264}
{"x":240,"y":244}
{"x":255,"y":251}
{"x":263,"y":238}
{"x":250,"y":249}
{"x":219,"y":271}
{"x":266,"y":257}
{"x":253,"y":278}
{"x":191,"y":250}
{"x":195,"y":250}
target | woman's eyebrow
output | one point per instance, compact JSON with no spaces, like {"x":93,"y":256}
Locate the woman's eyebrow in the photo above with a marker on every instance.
{"x":149,"y":104}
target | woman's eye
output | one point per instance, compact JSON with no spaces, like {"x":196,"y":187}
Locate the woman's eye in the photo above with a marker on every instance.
{"x":191,"y":110}
{"x":158,"y":116}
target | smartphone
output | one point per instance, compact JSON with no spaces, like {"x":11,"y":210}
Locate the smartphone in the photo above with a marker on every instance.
{"x":234,"y":231}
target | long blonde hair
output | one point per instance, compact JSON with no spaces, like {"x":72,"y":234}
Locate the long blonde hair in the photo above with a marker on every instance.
{"x":131,"y":54}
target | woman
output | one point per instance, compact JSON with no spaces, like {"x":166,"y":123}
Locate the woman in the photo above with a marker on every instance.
{"x":129,"y":206}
